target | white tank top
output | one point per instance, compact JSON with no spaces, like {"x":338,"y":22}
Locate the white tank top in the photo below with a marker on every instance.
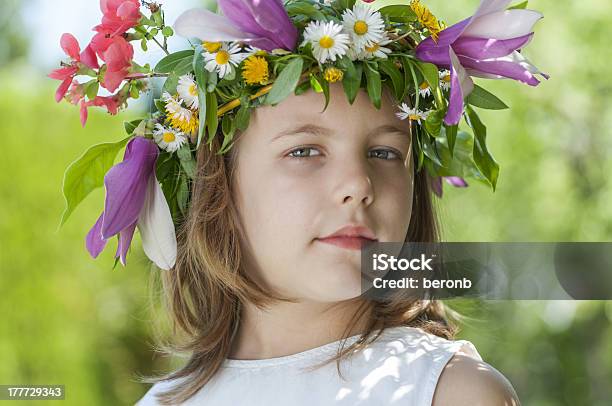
{"x":401,"y":367}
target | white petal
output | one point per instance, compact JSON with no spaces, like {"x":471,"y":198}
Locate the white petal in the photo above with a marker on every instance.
{"x":207,"y":26}
{"x":503,"y":24}
{"x":156,"y":227}
{"x":491,"y":6}
{"x":466,"y":82}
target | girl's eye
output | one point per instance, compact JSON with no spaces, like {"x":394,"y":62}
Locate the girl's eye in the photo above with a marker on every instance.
{"x":303,"y":152}
{"x":386,"y":154}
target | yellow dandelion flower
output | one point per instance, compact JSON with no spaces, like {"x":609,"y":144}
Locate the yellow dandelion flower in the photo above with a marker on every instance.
{"x":333,"y":75}
{"x":255,"y":70}
{"x":187,"y":124}
{"x":426,"y":18}
{"x":211,"y":46}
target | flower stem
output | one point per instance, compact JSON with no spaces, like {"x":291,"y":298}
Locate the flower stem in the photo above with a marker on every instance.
{"x":264,"y":90}
{"x":164,"y":47}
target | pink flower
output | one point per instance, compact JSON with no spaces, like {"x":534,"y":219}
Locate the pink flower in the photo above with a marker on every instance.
{"x":112,"y":104}
{"x":117,"y":53}
{"x":118,"y":16}
{"x":66,"y":74}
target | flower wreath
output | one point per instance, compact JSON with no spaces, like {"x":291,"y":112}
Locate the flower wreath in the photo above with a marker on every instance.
{"x":259,"y":52}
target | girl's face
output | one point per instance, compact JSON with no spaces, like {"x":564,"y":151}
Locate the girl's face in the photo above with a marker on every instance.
{"x":302,"y":175}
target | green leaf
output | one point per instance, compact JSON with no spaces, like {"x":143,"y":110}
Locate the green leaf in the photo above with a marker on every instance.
{"x":522,"y":5}
{"x":485,"y":100}
{"x":407,"y":68}
{"x":374,"y":83}
{"x":212,"y":121}
{"x":226,"y":124}
{"x":171,"y":83}
{"x":243,"y":116}
{"x":182,"y":195}
{"x":399,"y":13}
{"x":201,"y":76}
{"x":168,"y":63}
{"x":433,"y":122}
{"x":431,"y":75}
{"x":87,"y":173}
{"x":286,"y":82}
{"x":451,"y":136}
{"x":304,"y":8}
{"x":388,"y":66}
{"x":187,"y":162}
{"x":183,"y":67}
{"x":314,"y":84}
{"x":351,"y":81}
{"x":302,"y":87}
{"x":130,"y":126}
{"x":325,"y":87}
{"x":91,"y":91}
{"x":483,"y":158}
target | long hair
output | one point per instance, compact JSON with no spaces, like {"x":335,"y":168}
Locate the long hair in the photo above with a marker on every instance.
{"x":208,"y":285}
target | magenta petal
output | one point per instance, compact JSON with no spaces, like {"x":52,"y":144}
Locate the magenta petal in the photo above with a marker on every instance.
{"x":486,"y":48}
{"x":125,"y":239}
{"x":62,"y":89}
{"x":456,"y":181}
{"x":264,"y":18}
{"x":89,"y":58}
{"x":506,"y":69}
{"x":94,"y":241}
{"x":126,"y":185}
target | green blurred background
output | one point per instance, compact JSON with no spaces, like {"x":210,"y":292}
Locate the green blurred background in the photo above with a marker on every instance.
{"x":66,"y":319}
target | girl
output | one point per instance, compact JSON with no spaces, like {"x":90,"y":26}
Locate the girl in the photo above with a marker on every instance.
{"x":266,"y":288}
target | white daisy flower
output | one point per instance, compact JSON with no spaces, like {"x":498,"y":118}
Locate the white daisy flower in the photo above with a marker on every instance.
{"x":224,"y":60}
{"x":251,"y":50}
{"x":445,"y":79}
{"x":424,"y":89}
{"x":365,"y":25}
{"x":411,"y":114}
{"x":188,"y":91}
{"x":168,"y":139}
{"x":377,"y":49}
{"x":327,"y":39}
{"x":175,"y":107}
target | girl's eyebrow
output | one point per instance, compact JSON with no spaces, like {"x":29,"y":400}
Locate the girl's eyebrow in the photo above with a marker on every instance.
{"x":318,"y":130}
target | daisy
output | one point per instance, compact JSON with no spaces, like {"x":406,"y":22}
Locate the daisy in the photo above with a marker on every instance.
{"x":365,"y":26}
{"x":424,"y":89}
{"x":445,"y":79}
{"x":188,"y":91}
{"x":223,"y":60}
{"x":251,"y":50}
{"x":376,"y":49}
{"x":327,"y":39}
{"x":411,"y":114}
{"x":168,"y":139}
{"x":179,"y":117}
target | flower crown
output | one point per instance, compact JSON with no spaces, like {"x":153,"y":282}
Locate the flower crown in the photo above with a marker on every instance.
{"x":260,"y":52}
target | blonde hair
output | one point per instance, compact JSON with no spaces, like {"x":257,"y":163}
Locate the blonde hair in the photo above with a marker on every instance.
{"x":205,"y":290}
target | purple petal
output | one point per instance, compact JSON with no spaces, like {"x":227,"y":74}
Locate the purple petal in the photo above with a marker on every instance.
{"x":436,"y":185}
{"x":456,"y":181}
{"x":483,"y":48}
{"x":94,"y":241}
{"x":126,"y":184}
{"x":505,"y":68}
{"x":437,"y":52}
{"x":265,"y":18}
{"x":125,"y":239}
{"x":461,"y":86}
{"x":208,"y":26}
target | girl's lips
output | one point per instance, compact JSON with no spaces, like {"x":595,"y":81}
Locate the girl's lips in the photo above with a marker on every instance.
{"x":352,"y":243}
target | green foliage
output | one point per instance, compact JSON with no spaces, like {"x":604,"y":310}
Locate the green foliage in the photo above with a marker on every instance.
{"x":286,"y":81}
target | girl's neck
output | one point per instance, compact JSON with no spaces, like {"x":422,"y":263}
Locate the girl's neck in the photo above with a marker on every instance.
{"x":290,"y":328}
